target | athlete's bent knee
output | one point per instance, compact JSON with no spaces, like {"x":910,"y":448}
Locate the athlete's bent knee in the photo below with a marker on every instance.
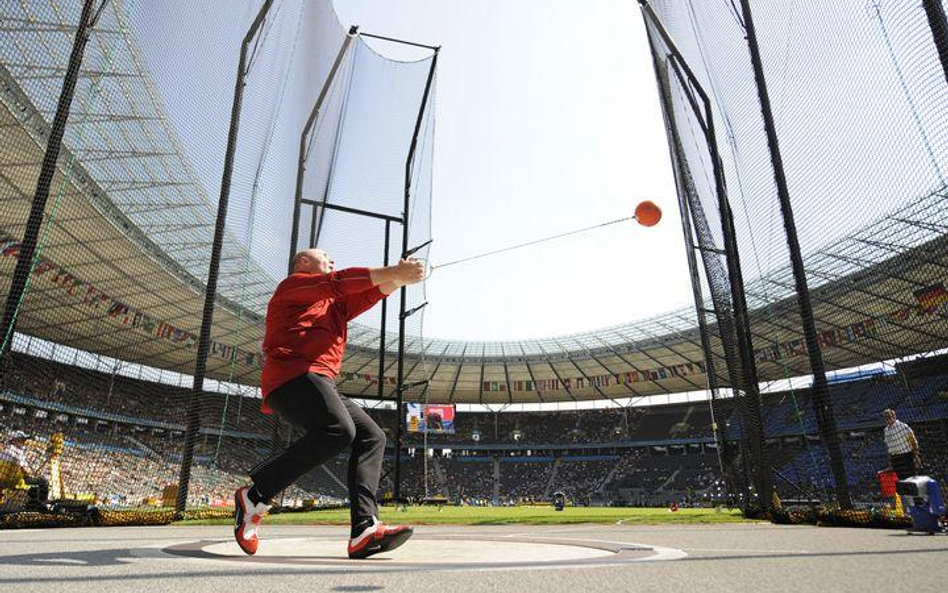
{"x":375,"y":437}
{"x":342,"y":433}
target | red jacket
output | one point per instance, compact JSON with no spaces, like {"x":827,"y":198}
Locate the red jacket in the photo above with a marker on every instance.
{"x":307,"y":319}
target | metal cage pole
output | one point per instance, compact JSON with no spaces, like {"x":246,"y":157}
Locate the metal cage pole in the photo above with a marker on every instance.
{"x":403,"y":293}
{"x":678,"y":167}
{"x":304,"y":153}
{"x":200,"y":366}
{"x":87,"y":20}
{"x":821,"y":398}
{"x":748,"y":402}
{"x":935,"y":11}
{"x":388,"y":228}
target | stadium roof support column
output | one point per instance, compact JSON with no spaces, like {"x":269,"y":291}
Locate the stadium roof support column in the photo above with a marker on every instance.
{"x":821,"y":399}
{"x":200,"y":366}
{"x":24,"y":265}
{"x":403,"y":293}
{"x":935,"y":11}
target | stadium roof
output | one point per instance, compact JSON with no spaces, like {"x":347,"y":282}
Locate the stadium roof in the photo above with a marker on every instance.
{"x":126,"y":258}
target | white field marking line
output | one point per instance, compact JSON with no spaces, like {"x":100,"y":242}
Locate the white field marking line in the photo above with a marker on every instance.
{"x":154,"y":552}
{"x":13,"y":531}
{"x":750,"y":522}
{"x":753,"y":551}
{"x":562,"y":529}
{"x":662,"y":554}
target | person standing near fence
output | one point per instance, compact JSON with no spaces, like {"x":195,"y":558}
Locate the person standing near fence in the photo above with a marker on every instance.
{"x":15,"y":470}
{"x":305,"y":340}
{"x":901,"y":445}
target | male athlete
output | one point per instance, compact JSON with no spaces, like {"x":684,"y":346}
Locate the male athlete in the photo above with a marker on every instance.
{"x":304,"y":344}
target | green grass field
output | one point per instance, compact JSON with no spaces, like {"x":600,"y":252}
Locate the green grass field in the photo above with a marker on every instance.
{"x":539,"y":515}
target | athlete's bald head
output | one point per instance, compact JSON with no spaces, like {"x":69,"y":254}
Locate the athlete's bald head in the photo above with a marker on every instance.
{"x":312,"y":261}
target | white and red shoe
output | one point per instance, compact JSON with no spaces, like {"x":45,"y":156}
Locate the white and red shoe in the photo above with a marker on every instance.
{"x":377,"y":538}
{"x":247,"y":516}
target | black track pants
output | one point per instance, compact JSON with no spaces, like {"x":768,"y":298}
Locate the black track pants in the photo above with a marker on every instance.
{"x":904,"y":465}
{"x":332,"y":423}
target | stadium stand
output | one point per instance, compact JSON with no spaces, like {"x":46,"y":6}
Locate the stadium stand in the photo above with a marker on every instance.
{"x":121,"y":444}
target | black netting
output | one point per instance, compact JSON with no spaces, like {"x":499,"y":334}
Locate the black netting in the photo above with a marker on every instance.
{"x":97,"y":373}
{"x":856,"y":92}
{"x":106,"y":281}
{"x":702,"y":189}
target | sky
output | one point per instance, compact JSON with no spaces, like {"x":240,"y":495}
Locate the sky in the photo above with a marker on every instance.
{"x":548,"y":120}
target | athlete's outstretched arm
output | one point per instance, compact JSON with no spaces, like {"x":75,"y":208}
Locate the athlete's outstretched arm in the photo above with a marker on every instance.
{"x":388,"y":288}
{"x":407,"y":271}
{"x":357,"y":304}
{"x":310,"y":288}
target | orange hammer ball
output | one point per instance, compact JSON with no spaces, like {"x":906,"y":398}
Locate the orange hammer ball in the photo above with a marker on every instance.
{"x":647,"y":213}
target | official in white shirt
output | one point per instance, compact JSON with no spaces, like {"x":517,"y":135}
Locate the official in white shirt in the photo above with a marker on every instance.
{"x":901,"y":445}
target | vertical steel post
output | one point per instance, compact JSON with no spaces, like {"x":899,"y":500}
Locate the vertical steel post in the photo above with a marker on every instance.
{"x":935,"y":11}
{"x":388,"y":226}
{"x":304,"y":153}
{"x":403,"y":293}
{"x":200,"y":366}
{"x":747,"y":390}
{"x":677,"y":161}
{"x":749,"y":402}
{"x":821,"y":399}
